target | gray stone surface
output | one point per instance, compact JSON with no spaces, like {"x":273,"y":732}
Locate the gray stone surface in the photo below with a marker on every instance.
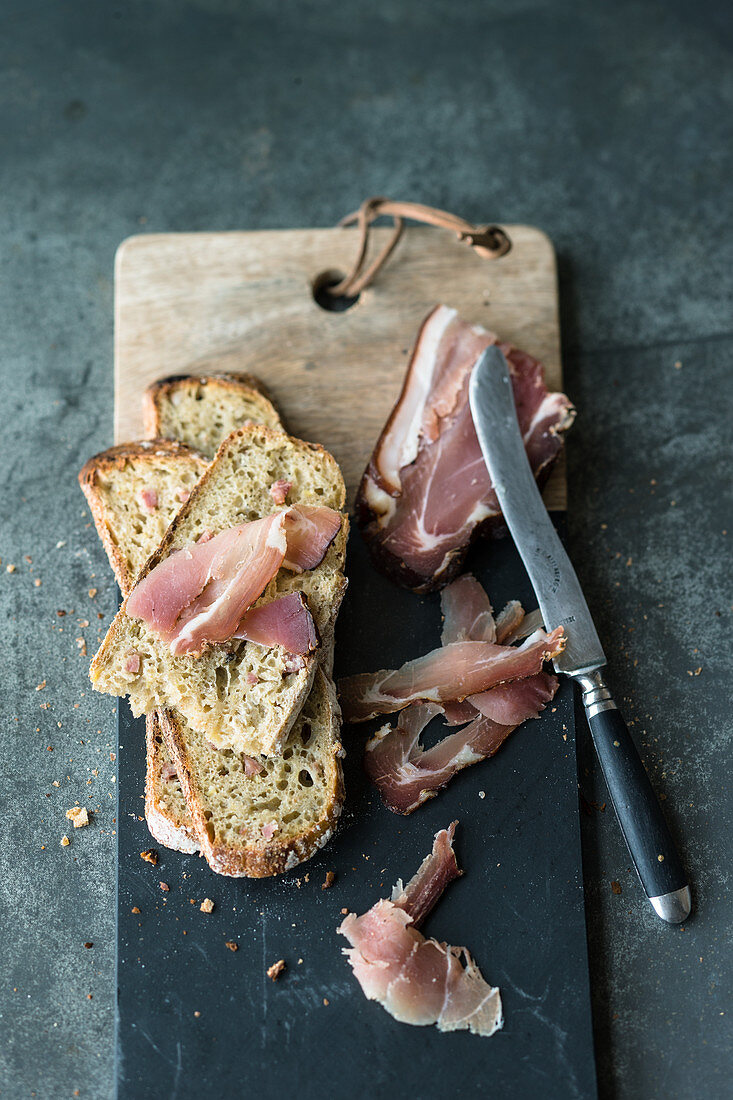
{"x":608,"y":125}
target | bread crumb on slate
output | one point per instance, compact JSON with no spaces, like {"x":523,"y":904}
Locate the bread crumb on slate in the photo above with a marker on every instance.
{"x":164,"y":887}
{"x":276,"y":969}
{"x":326,"y":1001}
{"x":9,"y":568}
{"x":92,"y":593}
{"x":41,"y":686}
{"x":79,"y":815}
{"x":616,"y":887}
{"x":150,"y":856}
{"x":88,"y":944}
{"x":197,"y":1014}
{"x":231,"y":945}
{"x":207,"y":906}
{"x":135,"y":909}
{"x":329,"y":881}
{"x":344,"y":911}
{"x":65,"y":842}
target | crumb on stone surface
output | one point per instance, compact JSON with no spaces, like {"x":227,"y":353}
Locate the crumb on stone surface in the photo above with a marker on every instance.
{"x":65,"y":842}
{"x":207,"y":906}
{"x":231,"y":945}
{"x":135,"y":909}
{"x":164,"y":887}
{"x":329,"y":880}
{"x":79,"y":816}
{"x":276,"y":969}
{"x":150,"y":856}
{"x":616,"y":887}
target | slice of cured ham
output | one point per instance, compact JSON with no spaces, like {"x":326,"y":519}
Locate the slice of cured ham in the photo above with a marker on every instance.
{"x":408,"y":775}
{"x":199,"y":595}
{"x":418,"y":980}
{"x":310,"y":530}
{"x":426,"y":491}
{"x":467,"y":612}
{"x":451,"y":673}
{"x":286,"y":621}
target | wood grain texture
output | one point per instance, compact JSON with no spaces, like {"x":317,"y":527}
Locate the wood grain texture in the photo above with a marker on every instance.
{"x":202,"y":302}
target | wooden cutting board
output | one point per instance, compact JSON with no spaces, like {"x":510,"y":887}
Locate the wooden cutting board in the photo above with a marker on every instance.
{"x":202,"y":302}
{"x":196,"y":1019}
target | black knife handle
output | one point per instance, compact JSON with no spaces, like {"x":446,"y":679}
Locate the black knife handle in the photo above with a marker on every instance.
{"x":648,"y":839}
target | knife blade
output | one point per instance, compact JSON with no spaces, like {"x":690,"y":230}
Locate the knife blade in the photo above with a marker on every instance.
{"x":562,"y":603}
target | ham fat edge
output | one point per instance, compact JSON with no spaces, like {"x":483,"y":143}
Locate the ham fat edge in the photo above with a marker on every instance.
{"x":426,"y":491}
{"x":417,"y":980}
{"x":202,"y":594}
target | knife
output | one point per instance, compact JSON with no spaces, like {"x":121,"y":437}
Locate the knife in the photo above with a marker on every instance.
{"x":563,"y":604}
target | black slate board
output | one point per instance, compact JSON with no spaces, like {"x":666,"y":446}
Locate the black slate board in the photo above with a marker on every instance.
{"x":518,"y":908}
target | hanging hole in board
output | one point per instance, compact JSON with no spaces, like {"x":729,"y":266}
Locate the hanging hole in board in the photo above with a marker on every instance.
{"x":334,"y":303}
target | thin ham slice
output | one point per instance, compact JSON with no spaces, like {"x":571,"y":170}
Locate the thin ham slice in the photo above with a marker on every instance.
{"x":286,"y":622}
{"x":408,"y":775}
{"x":467,"y":612}
{"x":426,"y":491}
{"x":199,"y":595}
{"x":511,"y":704}
{"x":310,"y":531}
{"x":417,"y":980}
{"x":451,"y":673}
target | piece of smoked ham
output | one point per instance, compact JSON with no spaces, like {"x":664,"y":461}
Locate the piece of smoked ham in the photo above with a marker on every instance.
{"x":417,"y":980}
{"x":408,"y":775}
{"x":285,"y":621}
{"x":405,"y":773}
{"x":199,"y":595}
{"x":426,"y":491}
{"x":451,"y":673}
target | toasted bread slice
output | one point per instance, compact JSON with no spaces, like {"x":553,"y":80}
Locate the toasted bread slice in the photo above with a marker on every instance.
{"x":166,"y":811}
{"x":202,"y":410}
{"x":215,"y":692}
{"x":302,"y":791}
{"x":263,"y":824}
{"x":113,"y":483}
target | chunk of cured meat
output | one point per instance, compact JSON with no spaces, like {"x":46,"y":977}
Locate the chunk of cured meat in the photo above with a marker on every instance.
{"x":451,"y":673}
{"x":426,"y":491}
{"x":417,"y":980}
{"x":408,"y":775}
{"x":199,"y":595}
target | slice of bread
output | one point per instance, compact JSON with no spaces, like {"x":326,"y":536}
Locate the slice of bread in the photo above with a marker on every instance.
{"x":202,"y":410}
{"x":297,"y":797}
{"x":166,"y":811}
{"x":217,"y":692}
{"x":113,"y":483}
{"x":302,"y":791}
